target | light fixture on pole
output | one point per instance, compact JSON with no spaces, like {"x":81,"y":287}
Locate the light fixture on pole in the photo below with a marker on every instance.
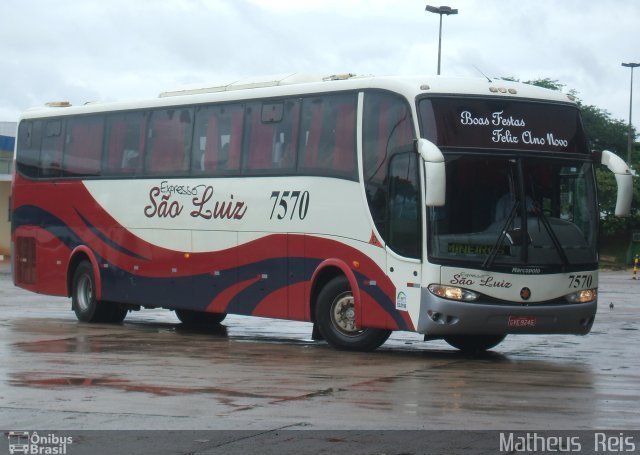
{"x":440,"y":10}
{"x":629,"y":134}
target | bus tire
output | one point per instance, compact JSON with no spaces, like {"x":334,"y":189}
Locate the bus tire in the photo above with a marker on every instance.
{"x":199,"y":319}
{"x":83,"y":298}
{"x":474,"y":343}
{"x":335,"y":318}
{"x":117,"y":312}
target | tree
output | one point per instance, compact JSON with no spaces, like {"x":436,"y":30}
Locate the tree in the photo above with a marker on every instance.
{"x":604,"y":133}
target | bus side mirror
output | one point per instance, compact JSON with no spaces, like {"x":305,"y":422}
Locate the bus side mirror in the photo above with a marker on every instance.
{"x":624,"y":179}
{"x":435,"y":175}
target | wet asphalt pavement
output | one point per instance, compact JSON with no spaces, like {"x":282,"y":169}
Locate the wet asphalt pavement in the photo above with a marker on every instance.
{"x":260,"y":374}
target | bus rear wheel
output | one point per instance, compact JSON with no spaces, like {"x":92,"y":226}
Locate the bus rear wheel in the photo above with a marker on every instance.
{"x":336,"y":321}
{"x":199,"y":319}
{"x":83,"y":299}
{"x":474,"y":343}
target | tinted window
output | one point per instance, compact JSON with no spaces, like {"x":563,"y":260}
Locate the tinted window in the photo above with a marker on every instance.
{"x":218,"y":139}
{"x":327,"y":136}
{"x":124,"y":143}
{"x":83,"y":145}
{"x":169,"y":141}
{"x":387,"y":129}
{"x":507,"y":210}
{"x":29,"y":140}
{"x":271,"y":134}
{"x":404,"y":208}
{"x":52,"y":146}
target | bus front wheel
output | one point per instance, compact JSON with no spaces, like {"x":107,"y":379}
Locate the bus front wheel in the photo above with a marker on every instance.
{"x":335,"y":318}
{"x":83,"y":299}
{"x":474,"y":343}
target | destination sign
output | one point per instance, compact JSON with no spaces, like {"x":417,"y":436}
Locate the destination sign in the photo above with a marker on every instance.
{"x":502,"y":124}
{"x":464,"y":248}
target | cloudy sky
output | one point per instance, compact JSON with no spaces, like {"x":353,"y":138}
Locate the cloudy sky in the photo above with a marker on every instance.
{"x":103,"y":50}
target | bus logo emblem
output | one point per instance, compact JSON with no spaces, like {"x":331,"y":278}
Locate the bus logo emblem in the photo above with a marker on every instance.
{"x":401,"y":301}
{"x":18,"y":442}
{"x":525,"y":293}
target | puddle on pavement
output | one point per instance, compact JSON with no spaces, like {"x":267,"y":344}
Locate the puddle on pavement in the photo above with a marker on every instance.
{"x":54,"y":336}
{"x":238,"y":400}
{"x":165,"y":341}
{"x":48,"y":382}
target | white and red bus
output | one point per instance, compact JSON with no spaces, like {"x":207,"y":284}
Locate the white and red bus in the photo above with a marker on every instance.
{"x":461,"y":209}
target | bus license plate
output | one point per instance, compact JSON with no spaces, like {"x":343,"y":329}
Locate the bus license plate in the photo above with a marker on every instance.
{"x":522,"y":321}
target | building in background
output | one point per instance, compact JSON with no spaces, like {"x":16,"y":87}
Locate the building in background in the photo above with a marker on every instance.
{"x":7,"y":142}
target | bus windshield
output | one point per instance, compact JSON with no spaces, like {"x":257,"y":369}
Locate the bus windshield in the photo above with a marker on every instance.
{"x":488,"y":220}
{"x":512,"y":204}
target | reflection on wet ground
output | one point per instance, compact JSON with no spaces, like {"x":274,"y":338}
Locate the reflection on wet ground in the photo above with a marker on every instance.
{"x":263,"y":374}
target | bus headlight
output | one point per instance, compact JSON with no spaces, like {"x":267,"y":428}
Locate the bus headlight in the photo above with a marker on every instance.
{"x":584,"y":296}
{"x":453,"y":293}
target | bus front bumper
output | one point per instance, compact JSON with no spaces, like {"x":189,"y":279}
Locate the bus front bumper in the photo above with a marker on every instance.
{"x":442,"y":317}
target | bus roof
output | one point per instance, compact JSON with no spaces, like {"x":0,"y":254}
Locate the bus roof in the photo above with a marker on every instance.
{"x":292,"y":84}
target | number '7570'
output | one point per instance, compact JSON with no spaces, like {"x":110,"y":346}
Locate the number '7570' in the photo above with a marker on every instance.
{"x":580,"y":281}
{"x":289,"y":204}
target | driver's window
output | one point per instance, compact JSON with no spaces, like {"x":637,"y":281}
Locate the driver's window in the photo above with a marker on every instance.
{"x":404,"y":205}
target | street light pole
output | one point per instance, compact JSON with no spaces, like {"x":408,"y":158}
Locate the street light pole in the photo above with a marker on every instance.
{"x":629,"y":134}
{"x":440,"y":10}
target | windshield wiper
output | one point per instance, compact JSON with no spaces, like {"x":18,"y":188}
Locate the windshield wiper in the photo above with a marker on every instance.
{"x":488,"y":262}
{"x":554,"y":238}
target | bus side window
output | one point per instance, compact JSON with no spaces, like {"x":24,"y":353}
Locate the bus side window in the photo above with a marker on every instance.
{"x":271,"y":133}
{"x":217,"y":140}
{"x":287,"y":135}
{"x":387,"y":128}
{"x":404,"y":208}
{"x":205,"y":149}
{"x":327,"y":136}
{"x":259,"y":138}
{"x":311,"y":127}
{"x":83,"y":146}
{"x":52,"y":145}
{"x":345,"y":142}
{"x":29,"y":140}
{"x":124,"y":143}
{"x":169,"y":141}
